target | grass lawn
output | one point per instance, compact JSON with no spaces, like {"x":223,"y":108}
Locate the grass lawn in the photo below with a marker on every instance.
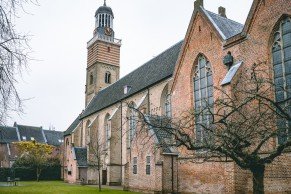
{"x":55,"y":187}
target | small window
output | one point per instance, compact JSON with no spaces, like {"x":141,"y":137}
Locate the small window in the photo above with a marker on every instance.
{"x":91,"y":79}
{"x":134,"y":165}
{"x":148,"y":165}
{"x":24,"y":138}
{"x":108,"y":49}
{"x":108,"y":77}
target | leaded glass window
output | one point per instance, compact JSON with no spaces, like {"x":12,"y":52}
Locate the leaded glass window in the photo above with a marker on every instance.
{"x":203,"y":96}
{"x":132,"y":122}
{"x":107,"y":130}
{"x":168,"y":110}
{"x":281,"y":52}
{"x":134,"y":170}
{"x":148,"y":165}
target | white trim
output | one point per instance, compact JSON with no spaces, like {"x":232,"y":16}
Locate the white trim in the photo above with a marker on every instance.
{"x":113,"y":113}
{"x":89,"y":126}
{"x":213,"y":23}
{"x":8,"y":148}
{"x":141,"y":100}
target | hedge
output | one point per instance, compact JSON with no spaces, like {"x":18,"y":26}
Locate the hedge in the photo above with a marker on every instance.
{"x":29,"y":174}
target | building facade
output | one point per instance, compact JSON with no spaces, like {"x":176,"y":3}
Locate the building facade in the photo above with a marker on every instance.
{"x":17,"y":133}
{"x":109,"y":129}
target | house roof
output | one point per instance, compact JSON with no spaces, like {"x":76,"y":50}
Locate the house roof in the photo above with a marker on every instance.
{"x":54,"y":137}
{"x":81,"y":156}
{"x":227,"y":28}
{"x":31,"y":133}
{"x":155,"y":70}
{"x":73,"y":126}
{"x":8,"y":134}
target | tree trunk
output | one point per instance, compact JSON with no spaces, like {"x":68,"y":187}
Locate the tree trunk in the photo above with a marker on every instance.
{"x":37,"y":174}
{"x":258,"y":179}
{"x":99,"y":181}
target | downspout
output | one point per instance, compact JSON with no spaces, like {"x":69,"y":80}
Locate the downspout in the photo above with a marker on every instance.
{"x":121,"y":171}
{"x":172,"y":173}
{"x":149,"y":105}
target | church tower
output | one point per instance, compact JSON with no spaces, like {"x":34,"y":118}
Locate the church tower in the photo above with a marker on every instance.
{"x":103,"y":61}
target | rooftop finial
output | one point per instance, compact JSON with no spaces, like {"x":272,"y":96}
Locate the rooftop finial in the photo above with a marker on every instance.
{"x":104,"y":3}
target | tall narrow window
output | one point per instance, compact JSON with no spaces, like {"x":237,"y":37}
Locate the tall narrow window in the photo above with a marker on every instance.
{"x":168,"y":110}
{"x":132,"y":123}
{"x":281,"y":53}
{"x":148,"y":165}
{"x":203,"y":96}
{"x":108,"y":77}
{"x":91,"y":79}
{"x":134,"y":167}
{"x":107,"y":130}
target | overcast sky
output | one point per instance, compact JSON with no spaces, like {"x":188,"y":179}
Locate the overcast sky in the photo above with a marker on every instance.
{"x":60,"y":29}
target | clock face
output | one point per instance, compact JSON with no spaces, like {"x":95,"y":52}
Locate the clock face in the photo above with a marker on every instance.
{"x":108,"y":31}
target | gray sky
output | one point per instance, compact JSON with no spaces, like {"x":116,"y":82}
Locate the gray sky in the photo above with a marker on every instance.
{"x":60,"y":29}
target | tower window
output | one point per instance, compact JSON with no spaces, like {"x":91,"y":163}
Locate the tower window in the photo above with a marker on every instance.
{"x":108,"y":49}
{"x":108,"y":77}
{"x":91,"y":79}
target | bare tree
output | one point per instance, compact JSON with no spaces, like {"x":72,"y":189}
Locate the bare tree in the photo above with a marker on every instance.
{"x":13,"y":56}
{"x":97,"y":151}
{"x":245,"y":124}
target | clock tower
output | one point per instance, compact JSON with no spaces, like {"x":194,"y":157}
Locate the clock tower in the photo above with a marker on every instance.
{"x":103,"y":61}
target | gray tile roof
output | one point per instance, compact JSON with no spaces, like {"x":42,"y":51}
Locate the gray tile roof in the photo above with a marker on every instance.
{"x":73,"y":126}
{"x":157,"y":69}
{"x":54,"y":137}
{"x":161,"y":128}
{"x":226,"y":27}
{"x":81,"y":156}
{"x":31,"y":132}
{"x":8,"y":134}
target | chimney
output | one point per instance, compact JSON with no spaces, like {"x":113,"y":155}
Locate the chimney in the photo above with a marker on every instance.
{"x":221,"y":11}
{"x":197,"y":4}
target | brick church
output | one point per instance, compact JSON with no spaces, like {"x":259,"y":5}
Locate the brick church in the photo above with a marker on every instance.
{"x":166,"y":85}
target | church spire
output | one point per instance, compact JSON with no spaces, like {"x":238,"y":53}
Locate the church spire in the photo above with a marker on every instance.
{"x":104,"y":3}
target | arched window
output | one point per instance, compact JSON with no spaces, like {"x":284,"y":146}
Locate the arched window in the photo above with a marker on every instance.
{"x":108,"y":77}
{"x":91,"y":79}
{"x":281,"y":52}
{"x":88,"y":131}
{"x":203,"y":95}
{"x":168,"y":111}
{"x":107,"y":129}
{"x":132,"y":121}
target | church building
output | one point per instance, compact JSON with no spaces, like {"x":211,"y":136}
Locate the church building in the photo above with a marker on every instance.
{"x":105,"y":141}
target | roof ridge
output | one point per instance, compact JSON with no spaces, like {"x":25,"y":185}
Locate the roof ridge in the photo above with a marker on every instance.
{"x":29,"y":126}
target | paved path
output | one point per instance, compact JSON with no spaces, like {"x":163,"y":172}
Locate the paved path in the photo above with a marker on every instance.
{"x":108,"y":187}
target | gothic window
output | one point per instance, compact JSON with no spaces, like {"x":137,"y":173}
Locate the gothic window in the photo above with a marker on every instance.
{"x":281,"y":52}
{"x":168,"y":111}
{"x":134,"y":170}
{"x":148,"y":165}
{"x":107,"y":130}
{"x":203,"y":96}
{"x":132,"y":122}
{"x":108,"y":77}
{"x":91,"y":79}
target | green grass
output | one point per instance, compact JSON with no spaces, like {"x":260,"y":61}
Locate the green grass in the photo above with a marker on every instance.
{"x":55,"y":187}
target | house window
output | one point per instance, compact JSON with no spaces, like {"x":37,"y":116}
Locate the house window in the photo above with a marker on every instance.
{"x":91,"y":79}
{"x":108,"y":77}
{"x":168,"y":110}
{"x":134,"y":170}
{"x":148,"y":165}
{"x":203,"y":96}
{"x":281,"y":52}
